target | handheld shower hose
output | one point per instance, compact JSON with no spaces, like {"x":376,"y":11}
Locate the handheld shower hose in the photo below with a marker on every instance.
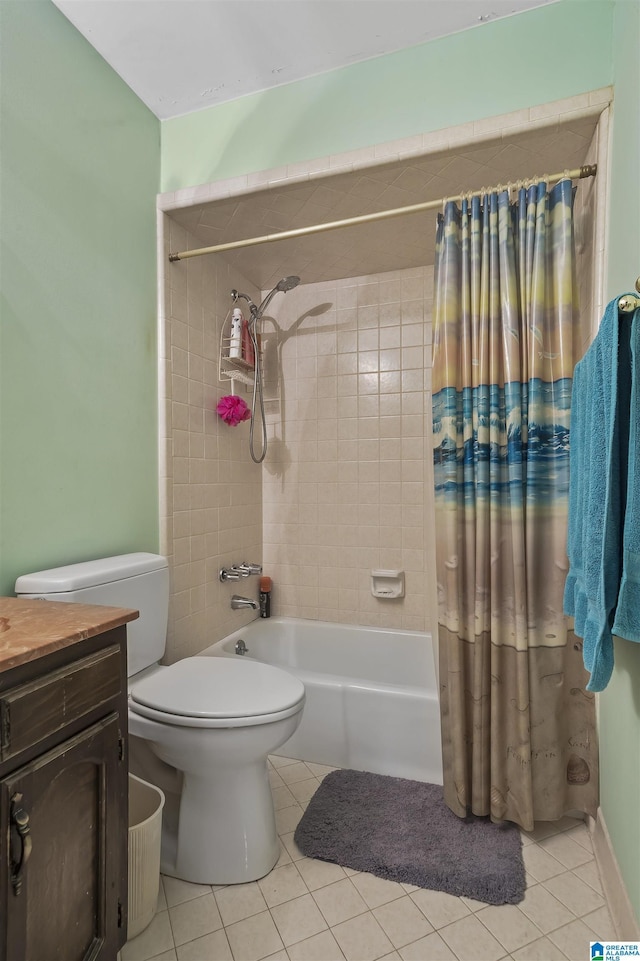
{"x":284,"y":285}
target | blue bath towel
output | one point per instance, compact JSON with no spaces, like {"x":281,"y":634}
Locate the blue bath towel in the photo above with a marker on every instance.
{"x":602,"y":590}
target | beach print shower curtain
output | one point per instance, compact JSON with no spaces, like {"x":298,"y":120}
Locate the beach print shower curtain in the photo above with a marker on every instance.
{"x":519,"y":737}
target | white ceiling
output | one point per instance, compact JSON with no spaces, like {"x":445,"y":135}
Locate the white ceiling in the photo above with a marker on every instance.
{"x":179,"y":56}
{"x":182,"y":55}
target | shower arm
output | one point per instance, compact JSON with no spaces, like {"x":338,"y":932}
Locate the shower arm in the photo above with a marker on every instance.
{"x":236,"y":295}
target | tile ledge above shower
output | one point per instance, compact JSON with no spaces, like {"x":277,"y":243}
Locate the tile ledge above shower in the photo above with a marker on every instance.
{"x":433,"y":141}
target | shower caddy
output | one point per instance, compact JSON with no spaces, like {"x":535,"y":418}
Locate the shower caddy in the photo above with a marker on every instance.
{"x":235,"y":368}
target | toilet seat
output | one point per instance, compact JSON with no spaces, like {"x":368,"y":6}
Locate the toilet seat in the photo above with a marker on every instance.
{"x":217,"y":692}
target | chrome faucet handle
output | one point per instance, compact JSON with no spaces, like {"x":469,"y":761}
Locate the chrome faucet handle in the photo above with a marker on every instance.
{"x":239,"y":570}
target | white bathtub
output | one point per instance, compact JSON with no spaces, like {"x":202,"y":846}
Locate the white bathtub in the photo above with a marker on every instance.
{"x":372,"y":701}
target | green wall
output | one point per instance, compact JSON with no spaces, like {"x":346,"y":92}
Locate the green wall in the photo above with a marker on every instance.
{"x":620,"y":702}
{"x":542,"y":55}
{"x":80,"y":171}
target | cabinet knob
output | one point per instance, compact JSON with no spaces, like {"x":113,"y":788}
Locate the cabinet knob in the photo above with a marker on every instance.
{"x":20,"y":820}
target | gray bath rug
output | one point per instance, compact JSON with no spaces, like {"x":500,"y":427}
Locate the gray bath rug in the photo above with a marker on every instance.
{"x":403,"y":831}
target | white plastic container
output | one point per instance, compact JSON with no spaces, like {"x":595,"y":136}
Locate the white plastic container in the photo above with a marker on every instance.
{"x":235,"y":344}
{"x":145,"y":832}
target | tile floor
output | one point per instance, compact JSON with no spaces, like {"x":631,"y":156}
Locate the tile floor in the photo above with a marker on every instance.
{"x":307,"y":910}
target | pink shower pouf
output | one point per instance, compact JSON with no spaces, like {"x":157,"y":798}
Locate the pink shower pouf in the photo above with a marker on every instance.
{"x":233,"y":410}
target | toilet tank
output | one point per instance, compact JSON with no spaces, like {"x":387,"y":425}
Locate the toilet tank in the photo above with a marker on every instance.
{"x":139,"y":581}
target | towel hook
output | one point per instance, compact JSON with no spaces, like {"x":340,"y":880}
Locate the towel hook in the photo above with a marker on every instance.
{"x":629,"y":303}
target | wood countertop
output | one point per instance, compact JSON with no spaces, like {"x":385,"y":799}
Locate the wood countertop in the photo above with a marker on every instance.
{"x":29,"y":629}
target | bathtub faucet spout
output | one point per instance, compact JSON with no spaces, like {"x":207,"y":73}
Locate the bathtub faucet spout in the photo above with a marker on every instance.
{"x":240,"y":603}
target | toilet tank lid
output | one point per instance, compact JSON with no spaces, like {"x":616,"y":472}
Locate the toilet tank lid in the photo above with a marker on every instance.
{"x":74,"y":577}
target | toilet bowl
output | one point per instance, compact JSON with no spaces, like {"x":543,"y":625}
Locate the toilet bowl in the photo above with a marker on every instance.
{"x":214,"y":719}
{"x":217,"y":723}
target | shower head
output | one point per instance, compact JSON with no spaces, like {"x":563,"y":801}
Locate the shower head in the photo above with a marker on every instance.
{"x":287,"y":283}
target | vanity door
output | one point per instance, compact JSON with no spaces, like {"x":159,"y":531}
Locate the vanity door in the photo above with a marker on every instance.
{"x":59,"y":847}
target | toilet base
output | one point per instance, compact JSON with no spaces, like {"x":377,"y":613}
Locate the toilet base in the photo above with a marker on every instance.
{"x":222,"y":827}
{"x":226,"y":827}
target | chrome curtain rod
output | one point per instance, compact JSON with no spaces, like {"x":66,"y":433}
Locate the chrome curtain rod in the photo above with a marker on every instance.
{"x":579,"y":173}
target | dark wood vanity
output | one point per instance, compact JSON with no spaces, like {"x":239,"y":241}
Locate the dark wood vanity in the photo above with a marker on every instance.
{"x":63,"y":781}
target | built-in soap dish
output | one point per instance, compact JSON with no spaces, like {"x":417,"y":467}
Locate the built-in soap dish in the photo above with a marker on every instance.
{"x":387,"y":585}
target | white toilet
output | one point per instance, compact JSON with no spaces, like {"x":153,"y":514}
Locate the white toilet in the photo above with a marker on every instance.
{"x":215,"y":719}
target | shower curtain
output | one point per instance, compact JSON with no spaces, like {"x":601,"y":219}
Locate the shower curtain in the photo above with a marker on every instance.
{"x":519,"y":739}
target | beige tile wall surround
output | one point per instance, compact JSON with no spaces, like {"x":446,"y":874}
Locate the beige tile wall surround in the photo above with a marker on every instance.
{"x":602,"y":215}
{"x":345,"y":478}
{"x":590,"y":215}
{"x":211,"y":492}
{"x":348,"y":482}
{"x":586,"y":254}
